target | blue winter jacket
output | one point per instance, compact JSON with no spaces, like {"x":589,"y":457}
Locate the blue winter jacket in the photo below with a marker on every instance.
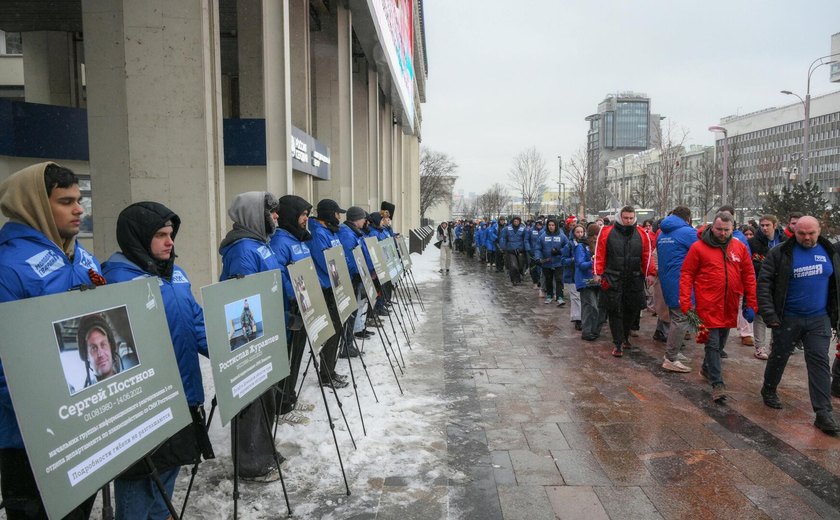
{"x":288,"y":250}
{"x":533,"y":238}
{"x":567,"y":260}
{"x":32,"y":265}
{"x":545,"y":243}
{"x":675,"y":238}
{"x":322,"y":239}
{"x":491,"y":236}
{"x":350,"y":240}
{"x":183,"y":315}
{"x":583,"y":266}
{"x":247,"y":256}
{"x":478,"y":236}
{"x":514,"y":239}
{"x":459,"y":231}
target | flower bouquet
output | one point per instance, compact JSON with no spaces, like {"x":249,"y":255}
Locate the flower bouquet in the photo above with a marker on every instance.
{"x":702,"y":336}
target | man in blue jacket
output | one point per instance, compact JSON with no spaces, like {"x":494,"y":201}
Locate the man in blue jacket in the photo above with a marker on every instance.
{"x":675,"y":239}
{"x":324,"y":229}
{"x":350,"y":234}
{"x":288,"y":245}
{"x":245,"y":250}
{"x":146,"y":234}
{"x":513,"y":242}
{"x":547,"y":249}
{"x":39,"y":256}
{"x":533,"y":241}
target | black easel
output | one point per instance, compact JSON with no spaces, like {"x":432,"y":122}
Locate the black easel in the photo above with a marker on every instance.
{"x":327,"y":408}
{"x":342,"y":344}
{"x":156,"y":478}
{"x":416,"y":290}
{"x":194,"y":470}
{"x":379,"y":330}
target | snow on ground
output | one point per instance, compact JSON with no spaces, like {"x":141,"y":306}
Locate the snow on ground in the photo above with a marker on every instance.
{"x":405,"y":436}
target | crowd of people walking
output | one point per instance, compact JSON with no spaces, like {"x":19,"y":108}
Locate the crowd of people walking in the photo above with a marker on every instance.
{"x":700,"y":282}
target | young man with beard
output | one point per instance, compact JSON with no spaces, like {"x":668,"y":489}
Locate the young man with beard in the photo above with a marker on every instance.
{"x":513,"y":241}
{"x":766,"y":238}
{"x":245,"y":250}
{"x":622,"y":266}
{"x":146,"y":234}
{"x":324,"y":229}
{"x":719,"y":272}
{"x":288,"y":245}
{"x":39,"y":256}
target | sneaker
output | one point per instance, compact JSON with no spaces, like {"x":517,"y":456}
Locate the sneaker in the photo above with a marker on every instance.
{"x":547,"y":301}
{"x":723,"y":354}
{"x":675,"y":366}
{"x":337,"y":383}
{"x":617,"y":352}
{"x":771,"y":398}
{"x":683,"y":359}
{"x":630,"y":347}
{"x":593,"y":338}
{"x":659,"y":336}
{"x":827,"y":424}
{"x":719,"y":393}
{"x":747,"y":341}
{"x":304,"y":406}
{"x":760,"y":353}
{"x":293,"y":418}
{"x":560,"y":301}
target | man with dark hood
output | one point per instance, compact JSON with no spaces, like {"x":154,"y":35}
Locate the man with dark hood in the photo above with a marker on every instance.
{"x":39,"y":255}
{"x":719,"y":271}
{"x":289,"y":246}
{"x":622,"y":263}
{"x":351,"y":235}
{"x":324,"y":231}
{"x":245,"y":250}
{"x":513,"y":241}
{"x":146,"y":234}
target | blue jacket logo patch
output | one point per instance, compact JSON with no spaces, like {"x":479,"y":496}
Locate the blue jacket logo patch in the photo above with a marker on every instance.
{"x":45,"y":262}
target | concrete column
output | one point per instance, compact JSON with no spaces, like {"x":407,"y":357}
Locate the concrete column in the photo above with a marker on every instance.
{"x":386,"y":149}
{"x":361,"y":166}
{"x":374,"y":138}
{"x":414,"y":199}
{"x":263,"y":34}
{"x":48,"y":68}
{"x":300,"y":65}
{"x":396,"y":176}
{"x":154,"y":120}
{"x":333,"y":51}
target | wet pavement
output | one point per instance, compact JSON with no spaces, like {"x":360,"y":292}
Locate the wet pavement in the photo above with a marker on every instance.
{"x":544,"y":425}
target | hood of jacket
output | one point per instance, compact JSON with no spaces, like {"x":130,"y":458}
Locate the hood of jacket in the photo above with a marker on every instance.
{"x":289,"y":210}
{"x":136,"y":226}
{"x":23,"y":198}
{"x":375,"y":220}
{"x":249,"y":212}
{"x":672,"y":223}
{"x":557,"y":230}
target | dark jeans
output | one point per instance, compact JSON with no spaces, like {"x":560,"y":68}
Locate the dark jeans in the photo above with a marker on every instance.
{"x":535,"y":270}
{"x":623,"y":311}
{"x":711,"y":362}
{"x":553,"y":279}
{"x":20,"y":493}
{"x":500,"y":260}
{"x":815,"y":334}
{"x":516,"y":264}
{"x":589,"y":313}
{"x":256,"y":443}
{"x":287,"y":394}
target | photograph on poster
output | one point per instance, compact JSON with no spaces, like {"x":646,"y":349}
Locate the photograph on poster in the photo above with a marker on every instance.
{"x":94,"y":347}
{"x":336,"y":281}
{"x":372,"y":253}
{"x":305,"y":301}
{"x":244,"y":321}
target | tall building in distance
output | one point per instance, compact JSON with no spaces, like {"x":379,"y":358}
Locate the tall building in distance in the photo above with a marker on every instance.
{"x":623,"y":124}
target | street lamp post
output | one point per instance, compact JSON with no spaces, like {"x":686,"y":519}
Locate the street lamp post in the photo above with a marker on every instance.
{"x":806,"y":139}
{"x":725,"y":188}
{"x":560,"y":184}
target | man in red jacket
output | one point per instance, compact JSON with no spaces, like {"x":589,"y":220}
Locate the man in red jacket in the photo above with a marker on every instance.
{"x":622,"y":262}
{"x":719,"y":272}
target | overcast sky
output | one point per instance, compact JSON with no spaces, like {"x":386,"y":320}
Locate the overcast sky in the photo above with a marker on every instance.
{"x":505,"y":75}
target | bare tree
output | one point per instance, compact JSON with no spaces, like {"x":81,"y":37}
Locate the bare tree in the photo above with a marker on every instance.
{"x":436,"y":172}
{"x":580,"y":179}
{"x":528,"y":176}
{"x":670,"y":145}
{"x":706,"y":178}
{"x":495,"y":200}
